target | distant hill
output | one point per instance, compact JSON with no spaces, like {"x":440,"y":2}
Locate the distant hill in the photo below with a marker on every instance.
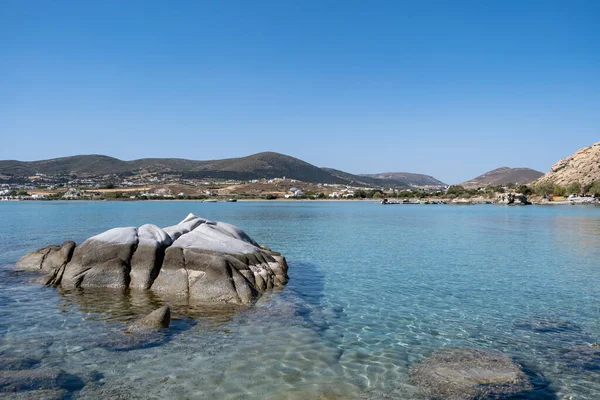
{"x":413,"y":179}
{"x":503,"y":176}
{"x":583,"y":166}
{"x":354,"y":179}
{"x":78,"y":165}
{"x":261,"y":165}
{"x":256,"y":166}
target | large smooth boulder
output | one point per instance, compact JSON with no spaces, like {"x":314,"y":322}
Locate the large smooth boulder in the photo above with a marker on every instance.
{"x":202,"y":260}
{"x":47,"y":259}
{"x":219,"y":262}
{"x":465,"y":374}
{"x":190,"y":223}
{"x":148,"y":257}
{"x":102,"y":260}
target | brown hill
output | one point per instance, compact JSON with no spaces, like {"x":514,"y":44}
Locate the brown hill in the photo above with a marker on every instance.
{"x":503,"y":176}
{"x":583,"y":167}
{"x":256,"y":166}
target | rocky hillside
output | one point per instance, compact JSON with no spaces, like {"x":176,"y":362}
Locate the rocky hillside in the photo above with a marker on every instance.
{"x":503,"y":176}
{"x":583,"y":167}
{"x":256,"y":166}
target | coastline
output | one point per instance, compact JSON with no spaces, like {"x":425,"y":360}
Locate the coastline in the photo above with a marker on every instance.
{"x":442,"y":201}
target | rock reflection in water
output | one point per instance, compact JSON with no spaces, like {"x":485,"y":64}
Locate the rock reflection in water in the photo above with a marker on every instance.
{"x":119,"y":307}
{"x":124,"y":305}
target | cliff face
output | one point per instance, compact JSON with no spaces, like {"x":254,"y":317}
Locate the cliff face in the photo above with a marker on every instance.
{"x":583,"y":166}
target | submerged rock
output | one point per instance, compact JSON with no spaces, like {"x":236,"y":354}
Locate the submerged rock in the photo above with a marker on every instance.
{"x":157,"y":319}
{"x":463,"y":374}
{"x":198,"y":259}
{"x":582,"y":356}
{"x":50,"y":394}
{"x":17,"y":363}
{"x":38,"y":379}
{"x":549,"y":325}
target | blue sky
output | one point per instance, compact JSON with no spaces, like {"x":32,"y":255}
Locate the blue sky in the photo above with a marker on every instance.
{"x":447,"y":88}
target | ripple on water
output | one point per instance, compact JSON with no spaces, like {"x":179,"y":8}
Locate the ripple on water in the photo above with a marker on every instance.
{"x":373,"y":291}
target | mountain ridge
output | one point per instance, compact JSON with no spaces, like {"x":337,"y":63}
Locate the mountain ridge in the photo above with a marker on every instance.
{"x":421,"y":179}
{"x":256,"y":166}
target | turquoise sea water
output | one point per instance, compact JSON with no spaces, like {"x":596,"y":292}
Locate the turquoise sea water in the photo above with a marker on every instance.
{"x":373,"y":290}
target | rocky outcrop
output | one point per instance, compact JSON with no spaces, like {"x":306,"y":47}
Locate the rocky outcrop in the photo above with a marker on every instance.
{"x":200,"y":259}
{"x":513,"y":199}
{"x":464,"y":374}
{"x":582,"y":167}
{"x":48,"y":259}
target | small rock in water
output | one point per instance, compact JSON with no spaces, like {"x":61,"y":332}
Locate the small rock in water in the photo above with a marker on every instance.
{"x":465,"y":374}
{"x":157,"y":319}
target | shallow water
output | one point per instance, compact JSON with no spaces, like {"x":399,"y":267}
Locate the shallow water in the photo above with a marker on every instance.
{"x":373,"y":290}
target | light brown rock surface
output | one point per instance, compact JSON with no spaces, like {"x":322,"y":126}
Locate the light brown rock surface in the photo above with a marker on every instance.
{"x":583,"y":166}
{"x":199,"y":259}
{"x":468,"y":374}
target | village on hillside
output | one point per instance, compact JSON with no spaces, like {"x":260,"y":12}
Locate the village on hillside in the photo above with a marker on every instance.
{"x":172,"y":187}
{"x":169,"y":186}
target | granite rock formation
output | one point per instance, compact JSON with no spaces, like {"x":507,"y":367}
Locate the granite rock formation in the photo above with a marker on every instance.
{"x":201,"y":259}
{"x":513,"y":199}
{"x":583,"y":167}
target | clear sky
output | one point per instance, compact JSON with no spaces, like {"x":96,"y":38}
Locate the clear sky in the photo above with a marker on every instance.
{"x":447,"y":88}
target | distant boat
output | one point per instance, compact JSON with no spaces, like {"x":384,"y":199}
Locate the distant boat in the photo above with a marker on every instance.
{"x":209,"y":201}
{"x":231,"y":201}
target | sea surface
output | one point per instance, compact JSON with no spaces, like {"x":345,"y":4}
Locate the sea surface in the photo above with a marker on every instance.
{"x":373,"y":290}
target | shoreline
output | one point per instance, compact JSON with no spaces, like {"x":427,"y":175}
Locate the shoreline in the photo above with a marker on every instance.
{"x":450,"y":202}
